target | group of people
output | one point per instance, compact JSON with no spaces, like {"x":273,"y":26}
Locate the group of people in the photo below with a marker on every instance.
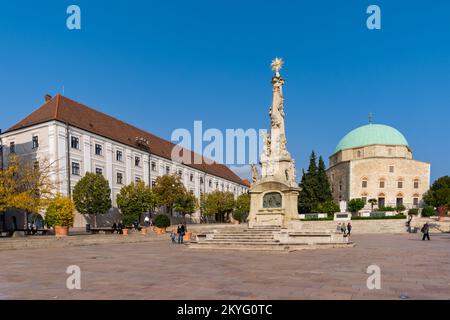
{"x":345,"y":229}
{"x":181,"y":230}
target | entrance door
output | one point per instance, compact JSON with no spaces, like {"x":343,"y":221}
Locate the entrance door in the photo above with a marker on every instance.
{"x":380,"y":202}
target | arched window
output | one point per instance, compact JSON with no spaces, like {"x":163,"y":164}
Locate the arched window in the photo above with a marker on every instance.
{"x":416,"y":183}
{"x":364,"y":183}
{"x":382,"y":183}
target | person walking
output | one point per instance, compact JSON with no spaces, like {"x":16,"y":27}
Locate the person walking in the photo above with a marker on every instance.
{"x":173,"y":236}
{"x":180,"y":232}
{"x":147,"y":221}
{"x":349,"y":228}
{"x":426,"y":231}
{"x":344,"y":228}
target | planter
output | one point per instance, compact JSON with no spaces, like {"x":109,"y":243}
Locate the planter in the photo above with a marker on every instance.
{"x":144,"y":231}
{"x":61,"y":231}
{"x":125,"y":232}
{"x":187,"y":236}
{"x":236,"y":222}
{"x":160,"y":230}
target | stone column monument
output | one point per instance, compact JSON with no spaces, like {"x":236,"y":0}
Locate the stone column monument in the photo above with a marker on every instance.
{"x":274,"y":194}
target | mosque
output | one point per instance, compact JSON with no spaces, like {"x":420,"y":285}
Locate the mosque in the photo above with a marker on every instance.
{"x":375,"y":161}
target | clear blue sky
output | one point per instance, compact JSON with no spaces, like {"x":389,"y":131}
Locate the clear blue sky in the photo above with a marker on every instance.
{"x":160,"y":65}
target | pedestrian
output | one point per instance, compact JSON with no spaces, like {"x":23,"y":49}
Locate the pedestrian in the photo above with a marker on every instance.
{"x":136,"y":225}
{"x":180,"y":232}
{"x":349,"y":228}
{"x":147,"y":221}
{"x":426,"y":231}
{"x":172,"y":236}
{"x":120,"y":227}
{"x":344,"y":228}
{"x":338,"y":228}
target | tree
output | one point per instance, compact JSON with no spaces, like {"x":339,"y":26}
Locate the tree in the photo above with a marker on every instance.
{"x":372,"y":202}
{"x":25,"y":184}
{"x":135,"y":199}
{"x":218,"y":203}
{"x":315,"y":187}
{"x":439,"y":195}
{"x":186,"y":203}
{"x":167,"y":189}
{"x":243,"y":203}
{"x":328,"y":207}
{"x":92,"y":195}
{"x":355,"y":205}
{"x":60,"y":212}
{"x":323,"y":184}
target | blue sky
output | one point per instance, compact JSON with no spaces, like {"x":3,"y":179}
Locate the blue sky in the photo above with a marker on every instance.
{"x":160,"y":65}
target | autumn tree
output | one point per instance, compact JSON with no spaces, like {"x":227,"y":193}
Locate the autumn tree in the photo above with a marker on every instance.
{"x":167,"y":189}
{"x":218,"y":203}
{"x":439,"y":195}
{"x":186,"y":203}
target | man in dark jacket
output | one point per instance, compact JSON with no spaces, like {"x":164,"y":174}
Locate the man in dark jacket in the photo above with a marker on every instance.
{"x":426,"y":231}
{"x":180,"y":232}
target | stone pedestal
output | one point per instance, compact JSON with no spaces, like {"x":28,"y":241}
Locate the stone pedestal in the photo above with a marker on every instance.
{"x":272,"y":203}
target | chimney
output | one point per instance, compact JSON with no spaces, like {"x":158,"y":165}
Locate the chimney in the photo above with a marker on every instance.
{"x":47,"y":97}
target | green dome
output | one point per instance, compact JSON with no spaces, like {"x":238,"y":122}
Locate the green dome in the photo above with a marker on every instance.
{"x":371,"y":134}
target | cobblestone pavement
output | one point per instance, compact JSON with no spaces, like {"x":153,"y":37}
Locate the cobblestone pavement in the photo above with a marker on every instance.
{"x":410,"y":268}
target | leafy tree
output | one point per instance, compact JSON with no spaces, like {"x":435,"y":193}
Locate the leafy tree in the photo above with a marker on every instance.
{"x":328,"y":207}
{"x":372,"y":202}
{"x":134,"y":200}
{"x":92,"y":195}
{"x":428,"y":211}
{"x":60,"y":212}
{"x":243,"y":203}
{"x":162,"y":221}
{"x":25,"y":184}
{"x":439,"y":195}
{"x":186,"y":203}
{"x":400,"y":208}
{"x":355,"y":205}
{"x":218,"y":203}
{"x":167,"y":189}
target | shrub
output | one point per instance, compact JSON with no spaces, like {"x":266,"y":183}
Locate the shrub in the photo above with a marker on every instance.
{"x":428,"y":211}
{"x":239,"y":216}
{"x":400,"y":208}
{"x":355,"y":205}
{"x":413,"y":211}
{"x":60,"y":212}
{"x":397,"y":216}
{"x":162,"y":221}
{"x":388,"y":208}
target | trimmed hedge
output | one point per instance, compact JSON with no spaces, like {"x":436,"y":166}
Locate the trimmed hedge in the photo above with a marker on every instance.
{"x":398,"y":216}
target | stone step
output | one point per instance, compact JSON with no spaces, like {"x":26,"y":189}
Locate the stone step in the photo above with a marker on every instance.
{"x":239,"y":246}
{"x":230,"y":236}
{"x":241,"y":241}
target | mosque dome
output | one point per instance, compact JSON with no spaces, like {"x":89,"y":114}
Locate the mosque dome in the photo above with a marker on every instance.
{"x":371,"y":134}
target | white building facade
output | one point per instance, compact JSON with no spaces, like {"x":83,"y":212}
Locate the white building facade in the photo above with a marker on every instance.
{"x":120,"y":156}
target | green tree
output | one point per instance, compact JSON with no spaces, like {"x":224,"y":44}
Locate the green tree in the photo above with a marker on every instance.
{"x":92,"y":195}
{"x":372,"y":202}
{"x":243,"y":203}
{"x":324,"y":188}
{"x":355,"y":205}
{"x":439,"y":195}
{"x":186,"y":203}
{"x":135,"y":199}
{"x":167,"y":189}
{"x":218,"y":203}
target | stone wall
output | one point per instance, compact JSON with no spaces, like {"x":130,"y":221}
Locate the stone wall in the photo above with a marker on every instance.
{"x":359,"y":226}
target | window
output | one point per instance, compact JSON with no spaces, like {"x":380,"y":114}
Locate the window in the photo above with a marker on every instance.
{"x":99,"y":171}
{"x":153,"y":166}
{"x":364,"y":183}
{"x":119,"y":156}
{"x":12,"y":147}
{"x":210,"y":183}
{"x":36,"y":165}
{"x":75,"y":168}
{"x":201,"y":180}
{"x":381,"y":183}
{"x":35,"y":142}
{"x":180,"y":173}
{"x":153,"y":183}
{"x":75,"y":143}
{"x":340,"y":185}
{"x":119,"y":178}
{"x":364,"y":199}
{"x":137,"y":161}
{"x":217,"y":185}
{"x":391,"y":169}
{"x":137,"y":179}
{"x":98,"y":149}
{"x":390,"y":151}
{"x":399,"y":184}
{"x":399,"y":201}
{"x":381,"y":202}
{"x":416,"y":184}
{"x":191,"y":177}
{"x":359,"y":154}
{"x":191,"y":191}
{"x":167,"y":170}
{"x":416,"y":201}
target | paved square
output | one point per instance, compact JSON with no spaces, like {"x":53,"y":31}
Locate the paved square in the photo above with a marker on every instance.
{"x":160,"y":270}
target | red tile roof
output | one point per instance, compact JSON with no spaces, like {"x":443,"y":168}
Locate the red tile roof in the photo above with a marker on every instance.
{"x":246,"y":183}
{"x":68,"y":111}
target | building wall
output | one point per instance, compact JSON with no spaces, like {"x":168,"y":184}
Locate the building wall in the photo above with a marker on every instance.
{"x":53,"y":146}
{"x":379,"y":171}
